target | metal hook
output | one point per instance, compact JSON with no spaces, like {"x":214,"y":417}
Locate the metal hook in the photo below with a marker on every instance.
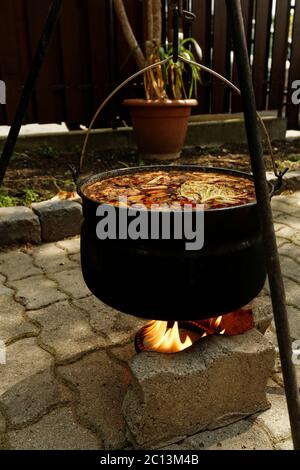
{"x":188,"y":15}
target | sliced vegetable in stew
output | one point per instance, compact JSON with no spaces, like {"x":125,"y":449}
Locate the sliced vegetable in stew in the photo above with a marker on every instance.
{"x":213,"y":189}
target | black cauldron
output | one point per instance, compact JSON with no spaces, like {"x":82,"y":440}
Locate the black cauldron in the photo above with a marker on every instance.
{"x":160,"y":279}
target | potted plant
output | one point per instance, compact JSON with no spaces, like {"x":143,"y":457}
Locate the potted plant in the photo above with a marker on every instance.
{"x":160,"y":120}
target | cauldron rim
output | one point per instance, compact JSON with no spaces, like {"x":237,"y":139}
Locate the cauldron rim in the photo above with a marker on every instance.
{"x":81,"y":185}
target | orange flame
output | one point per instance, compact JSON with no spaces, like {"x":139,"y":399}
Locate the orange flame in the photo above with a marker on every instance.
{"x":158,"y":337}
{"x":215,"y":323}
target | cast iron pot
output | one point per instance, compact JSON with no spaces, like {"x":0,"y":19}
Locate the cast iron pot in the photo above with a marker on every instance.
{"x":160,"y":279}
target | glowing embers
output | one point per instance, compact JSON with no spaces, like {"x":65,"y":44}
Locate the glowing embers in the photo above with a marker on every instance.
{"x":173,"y":336}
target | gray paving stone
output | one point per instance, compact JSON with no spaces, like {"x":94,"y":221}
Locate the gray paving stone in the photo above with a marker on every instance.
{"x":71,"y":282}
{"x":158,"y":404}
{"x":117,"y":327}
{"x":279,"y":228}
{"x":24,"y":359}
{"x":285,"y":445}
{"x":290,"y":268}
{"x":294,"y":321}
{"x":66,"y":331}
{"x":292,"y":292}
{"x":289,"y":233}
{"x":75,"y":258}
{"x":19,"y":225}
{"x":278,"y":378}
{"x":2,"y":424}
{"x":286,"y":204}
{"x":16,"y":265}
{"x":290,"y":250}
{"x":123,"y":353}
{"x":291,"y":220}
{"x":56,"y":431}
{"x":33,"y":397}
{"x":281,"y":242}
{"x":243,"y":435}
{"x":275,"y":420}
{"x":2,"y":431}
{"x":13,"y":324}
{"x":51,"y":258}
{"x":71,"y":245}
{"x":3,"y":289}
{"x":36,"y":291}
{"x":295,"y":195}
{"x":102,"y":384}
{"x":59,"y":219}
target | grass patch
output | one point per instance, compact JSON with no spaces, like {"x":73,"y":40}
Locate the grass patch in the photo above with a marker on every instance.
{"x":25,"y":199}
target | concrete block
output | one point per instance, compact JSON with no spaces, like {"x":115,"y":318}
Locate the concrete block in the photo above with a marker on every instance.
{"x":19,"y":225}
{"x":59,"y":219}
{"x":217,"y":381}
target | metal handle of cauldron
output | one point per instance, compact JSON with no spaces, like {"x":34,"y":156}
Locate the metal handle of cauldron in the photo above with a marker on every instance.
{"x":279,"y":174}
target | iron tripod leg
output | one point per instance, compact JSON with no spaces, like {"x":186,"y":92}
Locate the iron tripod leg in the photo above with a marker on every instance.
{"x":265,"y":213}
{"x":38,"y":60}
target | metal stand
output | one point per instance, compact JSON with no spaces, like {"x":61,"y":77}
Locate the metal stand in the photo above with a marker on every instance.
{"x":258,"y":169}
{"x":38,"y":60}
{"x":271,"y":252}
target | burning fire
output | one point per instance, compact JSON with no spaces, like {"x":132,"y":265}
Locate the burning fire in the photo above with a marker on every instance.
{"x":215,"y":324}
{"x":159,"y":336}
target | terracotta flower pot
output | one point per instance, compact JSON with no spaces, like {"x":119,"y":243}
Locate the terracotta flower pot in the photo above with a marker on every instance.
{"x":160,"y":126}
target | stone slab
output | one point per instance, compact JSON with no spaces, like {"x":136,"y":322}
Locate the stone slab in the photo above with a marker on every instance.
{"x":116,"y":327}
{"x":71,"y":245}
{"x":243,"y":435}
{"x":102,"y":384}
{"x":217,"y":381}
{"x":4,"y":290}
{"x":19,"y":225}
{"x":23,"y":359}
{"x":33,"y":397}
{"x":17,"y":265}
{"x":66,"y":331}
{"x":71,"y":281}
{"x":203,"y":130}
{"x":59,"y":219}
{"x":13,"y":324}
{"x":51,"y":258}
{"x":276,"y":419}
{"x":36,"y":291}
{"x":55,"y":431}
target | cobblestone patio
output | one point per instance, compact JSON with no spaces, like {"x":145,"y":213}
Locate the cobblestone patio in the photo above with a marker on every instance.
{"x":66,"y":373}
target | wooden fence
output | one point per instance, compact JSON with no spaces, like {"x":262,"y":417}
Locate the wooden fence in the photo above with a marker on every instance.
{"x":88,"y":56}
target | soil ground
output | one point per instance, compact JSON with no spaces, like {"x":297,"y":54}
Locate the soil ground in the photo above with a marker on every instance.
{"x":40,"y":174}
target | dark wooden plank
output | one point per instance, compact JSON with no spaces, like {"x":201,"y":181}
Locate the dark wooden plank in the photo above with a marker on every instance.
{"x":134,"y":10}
{"x":49,"y":97}
{"x":279,"y":54}
{"x":101,"y":52}
{"x":247,"y":10}
{"x":220,"y":61}
{"x":294,"y":74}
{"x":261,"y":51}
{"x":14,"y":56}
{"x":125,"y":64}
{"x":201,"y":31}
{"x":76,"y":61}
